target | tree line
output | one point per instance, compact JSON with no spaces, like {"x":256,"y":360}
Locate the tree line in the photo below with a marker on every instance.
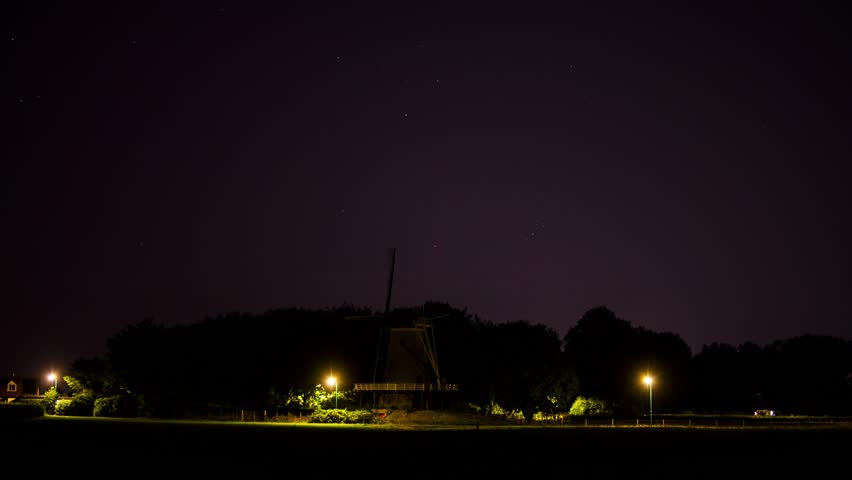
{"x":266,"y":361}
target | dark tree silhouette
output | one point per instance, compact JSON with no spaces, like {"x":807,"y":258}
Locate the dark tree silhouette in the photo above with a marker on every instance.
{"x":610,"y":356}
{"x":253,"y":361}
{"x":810,"y":375}
{"x":603,"y":350}
{"x":524,"y":362}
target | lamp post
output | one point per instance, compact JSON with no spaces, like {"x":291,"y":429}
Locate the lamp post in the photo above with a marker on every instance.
{"x":333,"y":381}
{"x":650,"y":382}
{"x":53,"y":378}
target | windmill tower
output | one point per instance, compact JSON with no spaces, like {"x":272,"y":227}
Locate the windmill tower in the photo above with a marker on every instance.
{"x":406,"y":367}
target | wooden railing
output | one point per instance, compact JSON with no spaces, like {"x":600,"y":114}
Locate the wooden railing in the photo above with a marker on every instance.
{"x":406,"y":387}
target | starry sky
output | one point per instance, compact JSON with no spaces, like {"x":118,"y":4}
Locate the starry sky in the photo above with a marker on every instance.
{"x":685,"y":165}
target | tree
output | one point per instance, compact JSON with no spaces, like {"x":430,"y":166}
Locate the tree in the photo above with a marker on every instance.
{"x":525,"y":359}
{"x":810,"y":375}
{"x":610,"y":356}
{"x":718,"y":380}
{"x":82,"y":402}
{"x":92,"y":373}
{"x":564,"y":387}
{"x":604,"y":351}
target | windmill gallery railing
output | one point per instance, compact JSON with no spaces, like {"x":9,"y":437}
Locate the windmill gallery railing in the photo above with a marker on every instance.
{"x":405,"y":387}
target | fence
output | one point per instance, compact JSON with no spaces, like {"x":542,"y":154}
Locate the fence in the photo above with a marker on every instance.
{"x":692,"y":421}
{"x":226,"y":414}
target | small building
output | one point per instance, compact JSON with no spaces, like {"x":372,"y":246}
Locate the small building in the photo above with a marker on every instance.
{"x":15,"y":386}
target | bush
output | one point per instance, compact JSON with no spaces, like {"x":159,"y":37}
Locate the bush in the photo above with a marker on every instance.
{"x":49,"y":401}
{"x":343,"y":416}
{"x":82,"y":405}
{"x":62,"y":407}
{"x":115,"y":406}
{"x":21,"y":409}
{"x":589,"y":407}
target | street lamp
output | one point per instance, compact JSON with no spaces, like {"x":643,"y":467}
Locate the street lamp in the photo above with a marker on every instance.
{"x":53,"y":378}
{"x":332,"y":381}
{"x":650,"y":382}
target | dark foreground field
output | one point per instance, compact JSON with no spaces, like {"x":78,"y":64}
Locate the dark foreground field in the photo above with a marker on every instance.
{"x":101,"y":448}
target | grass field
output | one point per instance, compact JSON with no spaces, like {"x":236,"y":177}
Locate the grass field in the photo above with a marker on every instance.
{"x":115,"y":447}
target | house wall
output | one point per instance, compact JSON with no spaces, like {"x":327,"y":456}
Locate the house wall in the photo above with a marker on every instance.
{"x":25,"y":386}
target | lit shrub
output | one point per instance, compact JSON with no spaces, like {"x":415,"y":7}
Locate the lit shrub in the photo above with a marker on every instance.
{"x":589,"y":407}
{"x":49,"y":401}
{"x":496,"y":411}
{"x":81,"y":405}
{"x":343,"y":416}
{"x":62,"y":406}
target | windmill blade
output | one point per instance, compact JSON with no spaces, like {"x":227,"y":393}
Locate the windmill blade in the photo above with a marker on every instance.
{"x":380,"y":342}
{"x":427,"y":341}
{"x":392,"y":258}
{"x":426,"y":334}
{"x":392,"y":254}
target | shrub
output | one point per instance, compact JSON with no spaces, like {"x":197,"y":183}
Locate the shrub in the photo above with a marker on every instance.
{"x":82,"y":405}
{"x":49,"y":401}
{"x":114,"y":406}
{"x":343,"y":416}
{"x":62,"y":406}
{"x":589,"y":407}
{"x":21,"y":409}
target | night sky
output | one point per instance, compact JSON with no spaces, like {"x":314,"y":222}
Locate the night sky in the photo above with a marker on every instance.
{"x":687,"y":166}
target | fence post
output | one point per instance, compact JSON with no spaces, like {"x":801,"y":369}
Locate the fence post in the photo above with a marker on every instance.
{"x":612,"y":422}
{"x":664,"y":422}
{"x":637,"y":422}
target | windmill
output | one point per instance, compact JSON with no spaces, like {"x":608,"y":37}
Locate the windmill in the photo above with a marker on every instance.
{"x":406,"y":358}
{"x":382,"y":317}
